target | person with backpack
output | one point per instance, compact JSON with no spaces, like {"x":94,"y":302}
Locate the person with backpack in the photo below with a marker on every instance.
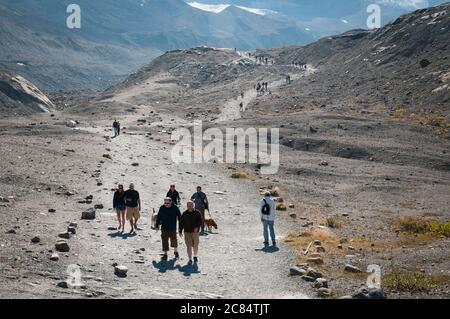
{"x":201,"y":204}
{"x":267,"y":210}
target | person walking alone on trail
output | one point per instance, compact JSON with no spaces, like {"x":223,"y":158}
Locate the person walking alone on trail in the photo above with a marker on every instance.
{"x":168,"y":215}
{"x":190,"y":223}
{"x":242,"y":95}
{"x":115,"y":123}
{"x":267,"y":211}
{"x":119,"y":206}
{"x":133,"y":202}
{"x":174,"y":195}
{"x":201,"y":204}
{"x":118,"y":128}
{"x":241,"y":107}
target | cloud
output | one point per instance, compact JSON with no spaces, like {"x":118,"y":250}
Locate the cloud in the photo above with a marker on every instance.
{"x":407,"y":4}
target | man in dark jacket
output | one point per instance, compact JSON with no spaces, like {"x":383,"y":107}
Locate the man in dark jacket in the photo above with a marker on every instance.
{"x":174,"y":195}
{"x":168,"y":215}
{"x":190,"y":223}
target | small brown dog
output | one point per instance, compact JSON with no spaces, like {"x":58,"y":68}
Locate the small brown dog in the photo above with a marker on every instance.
{"x":210,"y":224}
{"x":154,"y":217}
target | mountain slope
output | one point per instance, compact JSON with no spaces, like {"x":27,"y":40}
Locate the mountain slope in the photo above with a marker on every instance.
{"x":19,"y":96}
{"x":404,"y":64}
{"x":118,"y":37}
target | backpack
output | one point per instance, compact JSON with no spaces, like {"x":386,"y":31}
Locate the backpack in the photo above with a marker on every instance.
{"x":265,"y":210}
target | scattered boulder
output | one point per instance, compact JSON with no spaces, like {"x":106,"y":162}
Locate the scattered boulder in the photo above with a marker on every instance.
{"x":62,"y":246}
{"x":4,"y":200}
{"x":296,"y":271}
{"x":324,"y":163}
{"x":71,"y":230}
{"x":315,"y":260}
{"x":324,"y":293}
{"x":99,"y":206}
{"x":65,"y":235}
{"x":54,"y":257}
{"x":52,"y":210}
{"x":135,"y":164}
{"x":35,"y":240}
{"x":351,"y":268}
{"x":321,"y":283}
{"x":11,"y":231}
{"x":373,"y":293}
{"x":120,"y":271}
{"x":313,"y":273}
{"x":308,"y":279}
{"x":320,"y":249}
{"x":63,"y":284}
{"x":88,"y":214}
{"x":424,"y":63}
{"x":73,"y":224}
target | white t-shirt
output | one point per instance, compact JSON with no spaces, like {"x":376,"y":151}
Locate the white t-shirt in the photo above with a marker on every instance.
{"x":271,"y":203}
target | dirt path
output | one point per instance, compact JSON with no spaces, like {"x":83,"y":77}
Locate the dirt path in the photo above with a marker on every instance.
{"x":232,"y":262}
{"x":231,"y":109}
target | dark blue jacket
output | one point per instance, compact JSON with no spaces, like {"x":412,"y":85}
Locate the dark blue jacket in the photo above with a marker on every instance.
{"x":168,"y":217}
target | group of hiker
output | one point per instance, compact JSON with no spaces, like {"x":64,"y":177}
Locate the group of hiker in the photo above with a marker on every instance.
{"x":262,"y":88}
{"x":116,"y":128}
{"x":191,"y":223}
{"x":300,"y":65}
{"x":262,"y":60}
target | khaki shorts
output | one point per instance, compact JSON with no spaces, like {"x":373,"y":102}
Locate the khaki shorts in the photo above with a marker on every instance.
{"x":133,"y":212}
{"x":192,"y":239}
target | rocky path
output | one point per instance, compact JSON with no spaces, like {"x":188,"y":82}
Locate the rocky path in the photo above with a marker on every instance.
{"x":231,"y":109}
{"x":232,"y":261}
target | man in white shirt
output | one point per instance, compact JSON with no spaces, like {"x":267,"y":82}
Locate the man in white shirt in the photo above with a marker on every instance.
{"x":267,"y":210}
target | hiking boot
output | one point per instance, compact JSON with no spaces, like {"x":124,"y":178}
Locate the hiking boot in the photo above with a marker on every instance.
{"x":195,"y":260}
{"x":266,"y":243}
{"x":274,"y":243}
{"x":190,"y":263}
{"x":177,"y":255}
{"x":164,"y":257}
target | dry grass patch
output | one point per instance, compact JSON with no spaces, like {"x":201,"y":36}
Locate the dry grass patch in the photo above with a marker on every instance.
{"x":415,"y":226}
{"x":240,"y":175}
{"x":413,"y":281}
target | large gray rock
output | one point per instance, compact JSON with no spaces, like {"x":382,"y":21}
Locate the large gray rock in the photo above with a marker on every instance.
{"x":65,"y":235}
{"x":296,"y":271}
{"x":366,"y":293}
{"x":321,"y":283}
{"x":120,"y":271}
{"x":324,"y":293}
{"x":88,"y":214}
{"x":351,"y":268}
{"x":62,"y":246}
